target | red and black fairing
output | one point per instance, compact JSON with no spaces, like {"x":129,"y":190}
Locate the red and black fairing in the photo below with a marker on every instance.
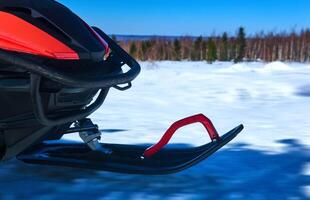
{"x":47,"y":28}
{"x":52,"y":64}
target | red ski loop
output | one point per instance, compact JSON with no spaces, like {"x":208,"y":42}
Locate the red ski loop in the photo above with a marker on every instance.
{"x":200,"y":118}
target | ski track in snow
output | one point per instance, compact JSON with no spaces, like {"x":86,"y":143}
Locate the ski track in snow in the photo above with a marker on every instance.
{"x":270,"y":159}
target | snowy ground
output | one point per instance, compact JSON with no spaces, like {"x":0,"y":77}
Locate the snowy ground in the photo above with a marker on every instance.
{"x":270,"y":159}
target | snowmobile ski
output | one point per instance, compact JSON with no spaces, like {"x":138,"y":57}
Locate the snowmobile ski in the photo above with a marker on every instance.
{"x":133,"y":159}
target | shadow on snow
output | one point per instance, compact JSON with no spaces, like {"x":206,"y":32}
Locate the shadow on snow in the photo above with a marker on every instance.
{"x":233,"y":173}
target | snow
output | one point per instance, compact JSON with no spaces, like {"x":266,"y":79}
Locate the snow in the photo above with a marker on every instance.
{"x":270,"y":159}
{"x":265,"y":97}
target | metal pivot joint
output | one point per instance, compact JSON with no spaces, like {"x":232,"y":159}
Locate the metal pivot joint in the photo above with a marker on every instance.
{"x":90,"y":134}
{"x":90,"y":137}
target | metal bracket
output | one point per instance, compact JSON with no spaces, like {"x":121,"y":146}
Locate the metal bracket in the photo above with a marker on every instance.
{"x":123,"y":88}
{"x":90,"y":134}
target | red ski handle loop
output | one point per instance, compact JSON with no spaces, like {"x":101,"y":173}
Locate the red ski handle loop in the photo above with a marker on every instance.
{"x":200,"y":118}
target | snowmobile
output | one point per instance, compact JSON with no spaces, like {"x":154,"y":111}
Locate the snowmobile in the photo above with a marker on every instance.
{"x":56,"y":70}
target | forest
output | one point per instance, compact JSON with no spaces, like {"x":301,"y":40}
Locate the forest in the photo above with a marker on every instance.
{"x":283,"y":46}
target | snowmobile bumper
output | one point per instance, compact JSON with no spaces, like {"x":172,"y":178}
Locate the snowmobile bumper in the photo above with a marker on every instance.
{"x":134,"y":159}
{"x":40,"y":96}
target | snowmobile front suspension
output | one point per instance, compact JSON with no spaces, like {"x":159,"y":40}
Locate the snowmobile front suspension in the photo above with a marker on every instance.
{"x":89,"y":133}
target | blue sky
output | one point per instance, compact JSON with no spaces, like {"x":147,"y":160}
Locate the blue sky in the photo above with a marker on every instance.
{"x":192,"y":17}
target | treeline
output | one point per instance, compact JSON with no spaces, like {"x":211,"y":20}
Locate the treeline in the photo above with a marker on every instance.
{"x":268,"y":47}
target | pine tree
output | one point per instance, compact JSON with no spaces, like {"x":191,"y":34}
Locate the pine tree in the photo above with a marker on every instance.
{"x":240,"y":45}
{"x":143,"y":50}
{"x":145,"y":47}
{"x":204,"y":49}
{"x":177,"y":49}
{"x":196,"y":50}
{"x":211,"y":56}
{"x":133,"y":49}
{"x":232,"y":50}
{"x":224,"y":47}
